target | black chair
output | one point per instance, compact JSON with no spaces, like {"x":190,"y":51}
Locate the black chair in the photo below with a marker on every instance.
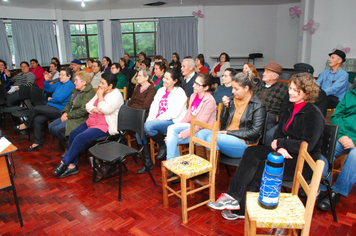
{"x":36,"y":98}
{"x":229,"y":161}
{"x":327,"y":150}
{"x":3,"y":94}
{"x":115,"y":152}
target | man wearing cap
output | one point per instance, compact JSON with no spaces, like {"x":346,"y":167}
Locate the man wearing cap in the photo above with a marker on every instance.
{"x":76,"y":65}
{"x":271,"y":92}
{"x":334,"y":81}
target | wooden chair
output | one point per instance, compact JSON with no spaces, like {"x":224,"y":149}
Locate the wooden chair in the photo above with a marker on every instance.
{"x":341,"y":160}
{"x":184,"y":148}
{"x":7,"y":182}
{"x":188,"y":166}
{"x":124,"y":91}
{"x":327,"y":117}
{"x":290,"y":213}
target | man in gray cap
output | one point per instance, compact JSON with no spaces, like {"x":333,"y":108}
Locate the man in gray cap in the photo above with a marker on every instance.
{"x":334,"y":81}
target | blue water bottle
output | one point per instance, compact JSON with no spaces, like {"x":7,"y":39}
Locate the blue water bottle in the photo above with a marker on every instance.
{"x":271,"y":181}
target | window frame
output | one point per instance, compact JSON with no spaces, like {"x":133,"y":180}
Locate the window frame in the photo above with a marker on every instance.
{"x":135,"y":56}
{"x":86,"y":35}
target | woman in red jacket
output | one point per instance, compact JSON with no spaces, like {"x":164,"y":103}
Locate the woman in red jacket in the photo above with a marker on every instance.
{"x":38,"y":71}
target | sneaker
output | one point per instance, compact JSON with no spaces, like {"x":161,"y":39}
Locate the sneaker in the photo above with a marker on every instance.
{"x":227,"y":214}
{"x":225,"y":201}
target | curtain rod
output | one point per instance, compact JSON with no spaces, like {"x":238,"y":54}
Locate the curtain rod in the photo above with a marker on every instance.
{"x":28,"y":19}
{"x":84,"y":20}
{"x":152,"y":18}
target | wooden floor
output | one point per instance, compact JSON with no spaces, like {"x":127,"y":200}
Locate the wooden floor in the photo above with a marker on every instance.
{"x":76,"y":206}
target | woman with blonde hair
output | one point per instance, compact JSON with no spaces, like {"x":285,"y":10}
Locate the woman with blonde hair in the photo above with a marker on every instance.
{"x":249,"y":67}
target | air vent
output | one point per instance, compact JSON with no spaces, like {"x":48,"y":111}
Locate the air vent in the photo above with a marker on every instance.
{"x":155,"y":4}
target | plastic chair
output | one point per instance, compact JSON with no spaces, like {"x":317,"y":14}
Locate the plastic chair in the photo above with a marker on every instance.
{"x":115,"y":152}
{"x":290,"y":213}
{"x":327,"y":150}
{"x":188,"y":166}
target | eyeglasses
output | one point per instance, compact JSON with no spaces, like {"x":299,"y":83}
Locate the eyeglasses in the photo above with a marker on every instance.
{"x":198,"y":85}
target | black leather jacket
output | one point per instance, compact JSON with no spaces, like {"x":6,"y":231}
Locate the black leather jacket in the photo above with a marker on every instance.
{"x":252,"y":120}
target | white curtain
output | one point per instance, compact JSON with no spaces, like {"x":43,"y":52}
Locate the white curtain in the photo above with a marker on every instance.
{"x":68,"y":41}
{"x":116,"y":40}
{"x":178,"y":35}
{"x":5,"y":52}
{"x":101,"y":43}
{"x":34,"y":39}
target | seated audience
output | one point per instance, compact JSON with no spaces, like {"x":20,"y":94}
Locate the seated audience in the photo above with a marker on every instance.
{"x":53,"y":73}
{"x":89,"y":66}
{"x":5,"y":75}
{"x":141,"y":56}
{"x":271,"y":92}
{"x":106,"y":62}
{"x":175,"y":63}
{"x":219,"y":67}
{"x":225,"y":89}
{"x":74,"y":113}
{"x":145,"y":64}
{"x":96,"y":74}
{"x":301,"y":121}
{"x":159,"y":69}
{"x":334,"y":81}
{"x":56,"y":60}
{"x":242,"y":121}
{"x":168,"y":107}
{"x":189,"y":75}
{"x":43,"y":113}
{"x":344,"y":116}
{"x":142,"y":98}
{"x":121,"y":78}
{"x":24,"y":78}
{"x":103,"y":111}
{"x":76,"y":66}
{"x":249,"y":67}
{"x":202,"y":105}
{"x":130,"y":64}
{"x":123,"y":68}
{"x":199,"y":64}
{"x":38,"y":71}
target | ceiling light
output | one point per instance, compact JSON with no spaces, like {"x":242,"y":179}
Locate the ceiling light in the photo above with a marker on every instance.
{"x":5,"y":0}
{"x":83,"y":4}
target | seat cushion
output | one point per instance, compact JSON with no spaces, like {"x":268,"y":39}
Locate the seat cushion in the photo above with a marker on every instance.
{"x":190,"y":165}
{"x":289,"y":213}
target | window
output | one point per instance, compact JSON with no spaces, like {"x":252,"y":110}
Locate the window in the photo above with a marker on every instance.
{"x":11,"y":42}
{"x":139,"y":37}
{"x":84,"y":41}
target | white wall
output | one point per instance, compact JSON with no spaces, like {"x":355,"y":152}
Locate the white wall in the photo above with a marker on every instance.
{"x":337,"y":26}
{"x":237,"y":30}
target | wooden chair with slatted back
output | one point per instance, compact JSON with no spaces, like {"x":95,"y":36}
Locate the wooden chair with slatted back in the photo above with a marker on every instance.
{"x":339,"y":160}
{"x":290,"y":213}
{"x":124,"y":92}
{"x":184,"y":148}
{"x":188,"y":166}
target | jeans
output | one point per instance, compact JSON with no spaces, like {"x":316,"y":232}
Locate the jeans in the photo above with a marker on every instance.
{"x":154,"y":127}
{"x":227,"y":144}
{"x":80,"y":139}
{"x":347,"y":176}
{"x":58,"y":129}
{"x":172,"y":140}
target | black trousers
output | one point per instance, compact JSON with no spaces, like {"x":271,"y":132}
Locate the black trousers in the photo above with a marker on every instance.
{"x":38,"y":116}
{"x":332,"y":101}
{"x":248,"y":175}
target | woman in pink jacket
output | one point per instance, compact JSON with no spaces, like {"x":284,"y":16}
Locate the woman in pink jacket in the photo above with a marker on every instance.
{"x":201,"y":104}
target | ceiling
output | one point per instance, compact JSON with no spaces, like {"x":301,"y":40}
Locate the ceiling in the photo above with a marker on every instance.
{"x":91,"y":5}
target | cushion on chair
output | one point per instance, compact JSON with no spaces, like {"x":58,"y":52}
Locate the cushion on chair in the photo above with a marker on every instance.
{"x":277,"y":218}
{"x":195,"y":165}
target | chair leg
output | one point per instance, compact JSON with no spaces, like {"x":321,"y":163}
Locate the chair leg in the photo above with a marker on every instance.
{"x":94,"y":172}
{"x":17,"y":205}
{"x":120,"y":177}
{"x":227,"y":170}
{"x":125,"y":167}
{"x":183,"y":185}
{"x":331,"y":202}
{"x":247,"y":223}
{"x":164,"y":186}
